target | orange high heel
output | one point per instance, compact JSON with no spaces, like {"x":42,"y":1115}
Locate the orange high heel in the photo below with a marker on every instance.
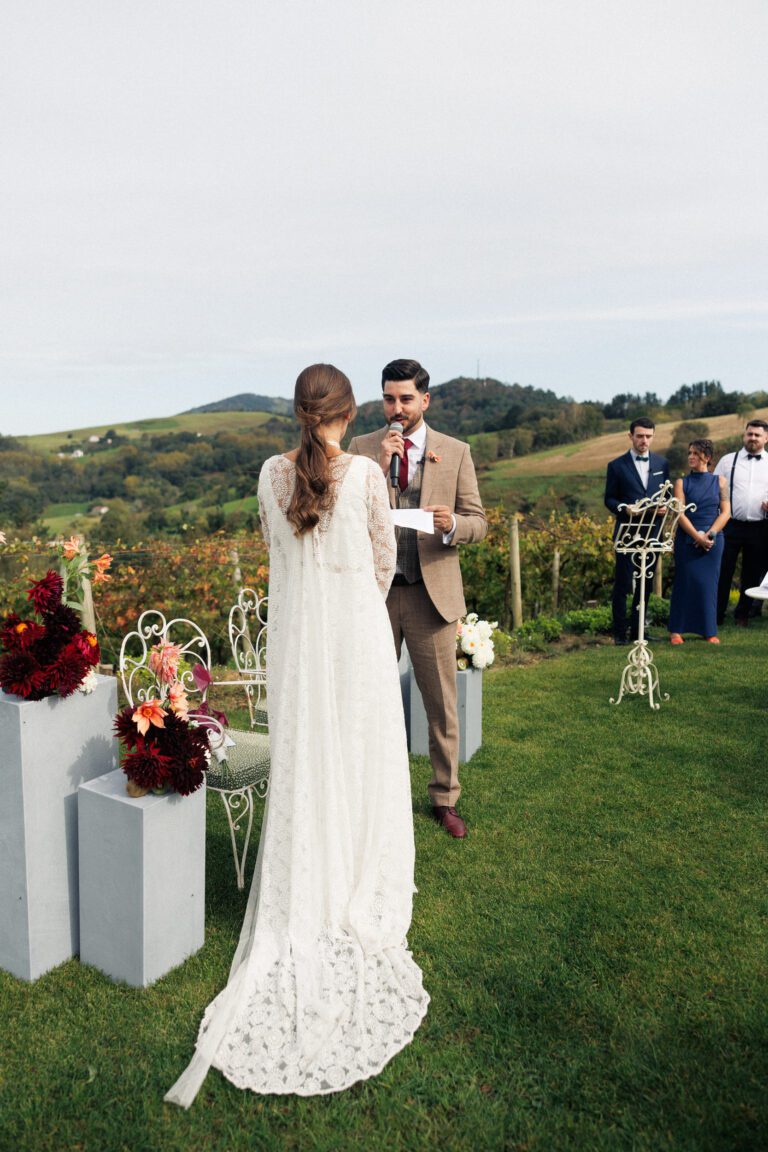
{"x":676,"y":638}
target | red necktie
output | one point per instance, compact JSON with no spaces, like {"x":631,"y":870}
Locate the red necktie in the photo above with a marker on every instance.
{"x":403,"y":477}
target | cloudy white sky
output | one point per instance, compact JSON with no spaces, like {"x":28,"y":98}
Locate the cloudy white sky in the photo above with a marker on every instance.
{"x":199,"y":198}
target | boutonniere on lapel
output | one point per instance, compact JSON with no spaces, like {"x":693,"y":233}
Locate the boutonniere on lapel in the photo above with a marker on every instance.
{"x":433,"y":457}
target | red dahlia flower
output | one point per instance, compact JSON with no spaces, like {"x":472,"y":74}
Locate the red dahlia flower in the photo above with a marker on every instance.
{"x":20,"y":674}
{"x":45,"y":594}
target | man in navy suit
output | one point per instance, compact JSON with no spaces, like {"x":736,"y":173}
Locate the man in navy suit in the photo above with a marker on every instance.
{"x":631,"y":477}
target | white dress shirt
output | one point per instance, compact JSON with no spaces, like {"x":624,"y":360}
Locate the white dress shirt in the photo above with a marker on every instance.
{"x":418,"y":439}
{"x":750,"y":483}
{"x":643,"y":467}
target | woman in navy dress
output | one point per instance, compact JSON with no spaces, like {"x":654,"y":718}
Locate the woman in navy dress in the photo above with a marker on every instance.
{"x":698,"y":547}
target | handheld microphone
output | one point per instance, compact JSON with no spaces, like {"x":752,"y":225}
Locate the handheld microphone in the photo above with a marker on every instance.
{"x":394,"y":464}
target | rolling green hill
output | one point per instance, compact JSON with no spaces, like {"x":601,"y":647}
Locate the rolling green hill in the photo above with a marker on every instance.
{"x":204,"y":423}
{"x":534,"y":451}
{"x":571,"y":476}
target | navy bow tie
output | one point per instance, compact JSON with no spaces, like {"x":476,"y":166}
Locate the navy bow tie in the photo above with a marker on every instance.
{"x":644,"y":459}
{"x":754,"y":456}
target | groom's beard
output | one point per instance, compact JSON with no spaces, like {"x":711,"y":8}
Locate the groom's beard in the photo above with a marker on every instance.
{"x":408,"y":425}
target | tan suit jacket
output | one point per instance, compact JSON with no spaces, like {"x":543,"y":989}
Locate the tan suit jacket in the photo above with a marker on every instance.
{"x":451,"y":481}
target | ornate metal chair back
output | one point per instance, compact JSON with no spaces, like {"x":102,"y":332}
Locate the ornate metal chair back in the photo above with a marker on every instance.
{"x":152,"y":628}
{"x":248,"y":640}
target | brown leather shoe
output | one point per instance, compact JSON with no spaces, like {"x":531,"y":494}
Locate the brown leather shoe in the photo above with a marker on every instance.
{"x":450,"y":820}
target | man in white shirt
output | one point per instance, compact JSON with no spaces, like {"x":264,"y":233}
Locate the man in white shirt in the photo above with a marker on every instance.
{"x":747,"y":531}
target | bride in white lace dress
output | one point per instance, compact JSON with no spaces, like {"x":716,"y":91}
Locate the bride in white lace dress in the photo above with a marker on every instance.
{"x":323,"y":990}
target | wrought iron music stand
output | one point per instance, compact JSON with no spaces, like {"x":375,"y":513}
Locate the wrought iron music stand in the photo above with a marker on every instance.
{"x":649,"y":532}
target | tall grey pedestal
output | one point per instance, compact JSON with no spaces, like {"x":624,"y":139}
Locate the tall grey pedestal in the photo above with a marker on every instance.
{"x":469,"y":699}
{"x":142,"y":879}
{"x":47,"y":749}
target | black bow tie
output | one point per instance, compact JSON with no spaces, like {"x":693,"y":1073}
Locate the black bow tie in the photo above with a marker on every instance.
{"x":754,"y":456}
{"x":644,"y":459}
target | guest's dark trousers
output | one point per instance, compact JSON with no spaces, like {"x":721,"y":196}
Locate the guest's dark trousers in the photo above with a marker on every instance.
{"x":750,"y":538}
{"x":622,"y":587}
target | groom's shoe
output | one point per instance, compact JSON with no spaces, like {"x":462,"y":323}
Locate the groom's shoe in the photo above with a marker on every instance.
{"x":450,"y":820}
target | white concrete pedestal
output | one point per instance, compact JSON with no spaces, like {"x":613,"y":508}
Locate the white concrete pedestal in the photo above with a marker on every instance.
{"x":469,"y":692}
{"x":142,"y":879}
{"x":47,"y":749}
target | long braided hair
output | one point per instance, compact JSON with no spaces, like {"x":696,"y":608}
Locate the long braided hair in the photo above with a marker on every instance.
{"x":323,"y":395}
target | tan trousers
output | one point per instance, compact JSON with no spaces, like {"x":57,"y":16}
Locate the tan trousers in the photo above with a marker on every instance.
{"x":432,"y":647}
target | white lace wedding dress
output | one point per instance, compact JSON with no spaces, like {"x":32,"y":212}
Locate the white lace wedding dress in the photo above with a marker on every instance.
{"x":323,"y":990}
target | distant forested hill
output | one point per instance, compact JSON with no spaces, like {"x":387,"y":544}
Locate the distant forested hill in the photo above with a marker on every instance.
{"x":246,"y":402}
{"x":197,"y":471}
{"x":528,"y":418}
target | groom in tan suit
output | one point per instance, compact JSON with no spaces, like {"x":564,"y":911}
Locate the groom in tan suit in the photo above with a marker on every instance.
{"x":426,"y":598}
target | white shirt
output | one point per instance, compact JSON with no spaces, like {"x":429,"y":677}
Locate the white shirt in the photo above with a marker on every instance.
{"x":643,"y":467}
{"x":418,"y":439}
{"x":750,"y":483}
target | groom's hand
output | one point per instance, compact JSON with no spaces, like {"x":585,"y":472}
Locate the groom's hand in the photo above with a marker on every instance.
{"x":391,"y":445}
{"x":442,"y":515}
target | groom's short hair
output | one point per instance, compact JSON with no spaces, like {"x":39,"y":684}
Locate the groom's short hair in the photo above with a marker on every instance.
{"x":641,"y":422}
{"x":406,"y":370}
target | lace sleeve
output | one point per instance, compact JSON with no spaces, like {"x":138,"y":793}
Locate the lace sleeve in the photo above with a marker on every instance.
{"x":263,"y":481}
{"x":380,"y":529}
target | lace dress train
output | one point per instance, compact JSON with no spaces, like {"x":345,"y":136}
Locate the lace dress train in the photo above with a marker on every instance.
{"x":323,"y":990}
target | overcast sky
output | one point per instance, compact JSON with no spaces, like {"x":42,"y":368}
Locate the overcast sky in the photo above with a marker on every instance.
{"x":199,"y":198}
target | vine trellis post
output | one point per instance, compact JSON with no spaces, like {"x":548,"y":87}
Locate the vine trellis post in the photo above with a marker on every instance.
{"x":516,"y":587}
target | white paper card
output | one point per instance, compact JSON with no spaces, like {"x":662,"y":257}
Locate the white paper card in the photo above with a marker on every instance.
{"x":413,"y":518}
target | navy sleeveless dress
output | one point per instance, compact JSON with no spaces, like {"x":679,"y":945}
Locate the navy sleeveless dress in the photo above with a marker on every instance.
{"x":694,"y":590}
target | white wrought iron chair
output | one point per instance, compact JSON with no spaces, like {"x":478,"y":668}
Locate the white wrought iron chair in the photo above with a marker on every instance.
{"x":248,"y":641}
{"x":240,"y":760}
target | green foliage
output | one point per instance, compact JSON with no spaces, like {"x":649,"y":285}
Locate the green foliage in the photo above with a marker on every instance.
{"x":586,"y":564}
{"x":706,"y":398}
{"x":534,"y":635}
{"x":502,"y":642}
{"x":677,"y":453}
{"x":21,"y":501}
{"x":657,"y":611}
{"x":589,"y":621}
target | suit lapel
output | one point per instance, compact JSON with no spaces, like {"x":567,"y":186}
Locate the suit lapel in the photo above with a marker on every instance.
{"x":431,"y":444}
{"x":633,"y":476}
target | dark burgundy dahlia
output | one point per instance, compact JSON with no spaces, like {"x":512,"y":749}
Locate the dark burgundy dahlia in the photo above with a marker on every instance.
{"x":45,"y":594}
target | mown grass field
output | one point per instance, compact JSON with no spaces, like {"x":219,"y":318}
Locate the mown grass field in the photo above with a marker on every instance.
{"x":595,"y":950}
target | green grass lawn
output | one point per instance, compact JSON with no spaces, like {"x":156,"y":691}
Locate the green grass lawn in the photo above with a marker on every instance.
{"x":595,"y":950}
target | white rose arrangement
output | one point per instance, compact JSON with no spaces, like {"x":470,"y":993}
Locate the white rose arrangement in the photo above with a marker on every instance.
{"x":474,"y":642}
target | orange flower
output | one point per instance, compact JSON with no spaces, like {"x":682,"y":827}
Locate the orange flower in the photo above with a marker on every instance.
{"x":21,"y":627}
{"x":149,"y":713}
{"x":101,"y":578}
{"x":164,"y":661}
{"x":178,"y":700}
{"x":433,"y":456}
{"x":104,"y":561}
{"x":71,"y":548}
